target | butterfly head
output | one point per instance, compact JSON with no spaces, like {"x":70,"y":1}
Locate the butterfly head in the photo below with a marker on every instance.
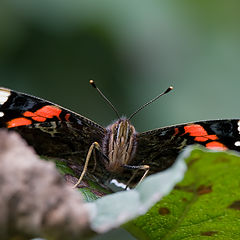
{"x":119,"y":144}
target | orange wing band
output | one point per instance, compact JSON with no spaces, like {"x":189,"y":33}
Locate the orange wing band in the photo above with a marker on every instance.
{"x":43,"y":113}
{"x":216,"y":145}
{"x":18,"y":122}
{"x":199,"y":133}
{"x":195,"y":130}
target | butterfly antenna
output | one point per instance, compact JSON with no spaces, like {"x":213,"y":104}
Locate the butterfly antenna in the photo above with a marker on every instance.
{"x":105,"y":98}
{"x":153,"y":100}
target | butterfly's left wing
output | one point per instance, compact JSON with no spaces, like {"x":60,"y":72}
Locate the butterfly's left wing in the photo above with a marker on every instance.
{"x":52,"y":130}
{"x":159,"y":148}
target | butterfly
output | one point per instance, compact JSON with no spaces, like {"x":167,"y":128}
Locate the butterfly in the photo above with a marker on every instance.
{"x":115,"y":152}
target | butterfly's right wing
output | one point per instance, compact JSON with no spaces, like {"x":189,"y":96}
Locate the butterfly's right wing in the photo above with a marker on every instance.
{"x":159,"y":148}
{"x":52,"y":130}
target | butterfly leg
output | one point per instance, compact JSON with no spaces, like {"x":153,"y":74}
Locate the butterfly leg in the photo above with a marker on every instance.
{"x":137,"y":168}
{"x":95,"y":161}
{"x":94,"y":146}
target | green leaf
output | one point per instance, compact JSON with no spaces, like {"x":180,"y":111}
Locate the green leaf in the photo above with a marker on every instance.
{"x":89,"y":189}
{"x":115,"y":209}
{"x":205,"y":205}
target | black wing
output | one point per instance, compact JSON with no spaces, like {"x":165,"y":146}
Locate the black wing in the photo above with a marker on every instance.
{"x":53,"y":131}
{"x":159,"y":148}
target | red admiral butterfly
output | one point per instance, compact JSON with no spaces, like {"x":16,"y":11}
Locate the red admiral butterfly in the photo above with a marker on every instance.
{"x":119,"y":150}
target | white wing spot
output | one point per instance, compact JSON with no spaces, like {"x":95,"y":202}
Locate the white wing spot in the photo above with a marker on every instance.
{"x":1,"y":114}
{"x":4,"y":94}
{"x":238,"y":126}
{"x":237,"y":143}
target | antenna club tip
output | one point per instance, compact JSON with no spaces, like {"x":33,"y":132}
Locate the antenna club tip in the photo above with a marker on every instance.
{"x":92,"y":83}
{"x":169,"y":89}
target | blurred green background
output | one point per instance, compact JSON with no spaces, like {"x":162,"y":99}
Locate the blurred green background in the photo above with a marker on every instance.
{"x":132,"y":49}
